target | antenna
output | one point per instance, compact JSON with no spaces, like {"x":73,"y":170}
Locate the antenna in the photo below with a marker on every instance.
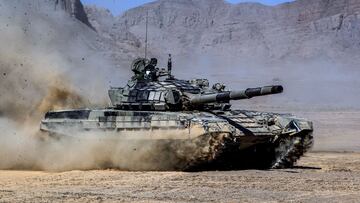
{"x":146,"y":33}
{"x":169,"y":67}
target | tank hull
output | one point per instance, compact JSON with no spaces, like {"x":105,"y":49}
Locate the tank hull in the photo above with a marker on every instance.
{"x":197,"y":140}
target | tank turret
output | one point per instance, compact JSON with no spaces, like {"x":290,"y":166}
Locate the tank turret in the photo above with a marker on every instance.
{"x":145,"y":91}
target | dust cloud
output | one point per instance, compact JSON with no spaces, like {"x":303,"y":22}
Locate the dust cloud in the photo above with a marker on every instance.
{"x":25,"y":149}
{"x":39,"y":59}
{"x":47,"y":63}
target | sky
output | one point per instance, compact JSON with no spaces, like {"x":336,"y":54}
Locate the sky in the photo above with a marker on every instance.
{"x":118,"y":6}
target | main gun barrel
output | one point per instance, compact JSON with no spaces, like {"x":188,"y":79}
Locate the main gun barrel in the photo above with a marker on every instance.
{"x":236,"y":95}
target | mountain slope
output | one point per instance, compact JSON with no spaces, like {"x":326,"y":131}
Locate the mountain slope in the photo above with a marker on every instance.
{"x":74,"y":7}
{"x":304,"y":28}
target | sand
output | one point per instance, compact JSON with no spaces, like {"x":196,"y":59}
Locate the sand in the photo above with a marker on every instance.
{"x":326,"y":177}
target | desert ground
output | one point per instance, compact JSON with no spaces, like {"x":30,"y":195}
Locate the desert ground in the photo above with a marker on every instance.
{"x":330,"y":173}
{"x":319,"y":177}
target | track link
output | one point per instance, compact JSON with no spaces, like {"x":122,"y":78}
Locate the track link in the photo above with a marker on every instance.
{"x":290,"y":149}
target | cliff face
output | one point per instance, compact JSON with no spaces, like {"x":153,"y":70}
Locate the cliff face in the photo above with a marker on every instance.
{"x":119,"y":44}
{"x":300,"y":29}
{"x":74,"y":7}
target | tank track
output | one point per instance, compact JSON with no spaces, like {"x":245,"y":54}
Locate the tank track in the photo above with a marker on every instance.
{"x":219,"y":152}
{"x":290,"y":149}
{"x":199,"y":154}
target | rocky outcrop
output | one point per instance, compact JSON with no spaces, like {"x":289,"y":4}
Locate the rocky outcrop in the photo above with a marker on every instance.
{"x":300,"y":29}
{"x":121,"y":45}
{"x":75,"y":8}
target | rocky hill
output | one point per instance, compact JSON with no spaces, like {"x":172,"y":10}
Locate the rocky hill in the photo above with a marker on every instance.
{"x":74,"y":7}
{"x":300,"y":29}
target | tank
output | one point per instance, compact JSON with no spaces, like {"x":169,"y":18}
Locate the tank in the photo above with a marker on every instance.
{"x":190,"y":117}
